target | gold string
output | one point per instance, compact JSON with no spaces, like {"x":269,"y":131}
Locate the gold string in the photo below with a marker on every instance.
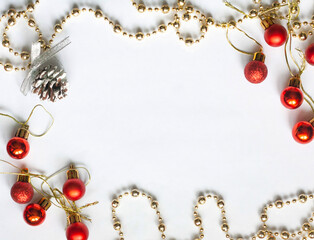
{"x":239,"y":50}
{"x":28,"y":119}
{"x":228,"y":4}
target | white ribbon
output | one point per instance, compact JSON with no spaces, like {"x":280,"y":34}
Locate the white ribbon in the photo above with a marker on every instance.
{"x":38,"y":59}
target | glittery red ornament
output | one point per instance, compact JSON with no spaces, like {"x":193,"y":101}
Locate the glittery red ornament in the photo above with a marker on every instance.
{"x":303,"y":132}
{"x":275,"y":34}
{"x":18,"y":147}
{"x":77,"y":231}
{"x":35,"y":214}
{"x":292,"y":97}
{"x":309,"y":54}
{"x":74,"y":188}
{"x":256,"y":70}
{"x":22,"y":191}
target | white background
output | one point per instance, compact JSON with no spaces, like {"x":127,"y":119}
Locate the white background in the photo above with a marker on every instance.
{"x":170,"y":119}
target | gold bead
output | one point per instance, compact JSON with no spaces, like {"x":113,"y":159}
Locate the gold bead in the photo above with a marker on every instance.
{"x":31,"y":22}
{"x":30,"y":7}
{"x":198,"y":222}
{"x":201,"y":200}
{"x":181,"y":3}
{"x":117,"y":28}
{"x":261,"y":234}
{"x":306,"y":227}
{"x":271,"y":238}
{"x":11,"y":21}
{"x":117,"y":226}
{"x":141,"y":8}
{"x":154,"y":205}
{"x":204,"y":28}
{"x":8,"y":67}
{"x":135,"y":193}
{"x":210,"y":21}
{"x":75,"y":12}
{"x":220,"y":204}
{"x":162,"y":28}
{"x":58,"y":28}
{"x":294,"y":9}
{"x":115,"y":203}
{"x":98,"y":13}
{"x":11,"y":12}
{"x":176,"y":24}
{"x":264,"y":217}
{"x":186,"y":17}
{"x":279,"y":204}
{"x":302,"y":36}
{"x":253,"y":13}
{"x":162,"y":227}
{"x":302,"y":198}
{"x":285,"y":235}
{"x":189,"y":9}
{"x":296,"y":25}
{"x":225,"y":227}
{"x":25,"y":55}
{"x":139,"y":36}
{"x":189,"y":41}
{"x":165,"y":9}
{"x":6,"y":42}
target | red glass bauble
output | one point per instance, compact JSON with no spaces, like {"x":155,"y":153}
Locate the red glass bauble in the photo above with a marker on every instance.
{"x":292,"y":97}
{"x":255,"y":71}
{"x":77,"y":231}
{"x":303,"y":132}
{"x":276,"y":35}
{"x":309,"y":54}
{"x":22,"y":192}
{"x":34,"y":214}
{"x":74,"y":189}
{"x":18,"y":148}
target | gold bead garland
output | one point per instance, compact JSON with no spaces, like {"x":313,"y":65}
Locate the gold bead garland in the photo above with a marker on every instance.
{"x":306,"y":231}
{"x":182,"y":11}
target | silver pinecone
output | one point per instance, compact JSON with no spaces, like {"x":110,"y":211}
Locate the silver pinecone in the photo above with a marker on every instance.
{"x":51,"y":83}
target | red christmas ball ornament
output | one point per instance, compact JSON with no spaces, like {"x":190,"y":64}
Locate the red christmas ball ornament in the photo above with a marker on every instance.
{"x":309,"y":54}
{"x":303,"y":132}
{"x":292,"y":96}
{"x":18,"y":146}
{"x":76,"y":229}
{"x":275,"y":34}
{"x":22,"y":191}
{"x":35,"y":214}
{"x":74,"y":188}
{"x":256,"y":70}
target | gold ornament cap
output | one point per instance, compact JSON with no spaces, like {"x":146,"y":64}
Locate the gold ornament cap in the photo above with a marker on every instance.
{"x":295,"y":82}
{"x":23,"y":132}
{"x":72,"y":173}
{"x":45,"y":203}
{"x":259,"y":56}
{"x":74,"y":218}
{"x":24,"y":178}
{"x":266,"y":23}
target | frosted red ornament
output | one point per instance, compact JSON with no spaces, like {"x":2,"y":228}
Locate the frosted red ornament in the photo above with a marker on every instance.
{"x":76,"y":229}
{"x":309,"y":54}
{"x":22,"y":191}
{"x":292,"y":96}
{"x":256,"y":70}
{"x":74,"y":188}
{"x":303,"y":132}
{"x":18,"y":146}
{"x":275,"y":34}
{"x":35,"y":214}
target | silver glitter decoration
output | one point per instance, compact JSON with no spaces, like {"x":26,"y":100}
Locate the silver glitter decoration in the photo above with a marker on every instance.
{"x":50,"y":83}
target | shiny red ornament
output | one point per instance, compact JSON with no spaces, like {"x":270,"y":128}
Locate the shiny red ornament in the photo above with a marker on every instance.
{"x":22,"y":192}
{"x":292,"y":97}
{"x":303,"y":132}
{"x":275,"y":35}
{"x":77,"y":231}
{"x":35,"y":214}
{"x":74,"y":188}
{"x":309,"y":54}
{"x":18,"y":146}
{"x":256,"y":70}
